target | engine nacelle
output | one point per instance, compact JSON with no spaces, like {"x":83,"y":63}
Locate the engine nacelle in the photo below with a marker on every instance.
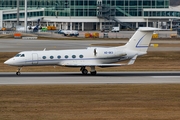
{"x":106,"y":52}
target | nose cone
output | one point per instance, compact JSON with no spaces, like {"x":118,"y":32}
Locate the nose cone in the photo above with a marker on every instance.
{"x":9,"y":62}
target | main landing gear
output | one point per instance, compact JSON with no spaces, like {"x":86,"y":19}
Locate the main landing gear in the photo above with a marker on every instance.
{"x":18,"y":72}
{"x":85,"y":71}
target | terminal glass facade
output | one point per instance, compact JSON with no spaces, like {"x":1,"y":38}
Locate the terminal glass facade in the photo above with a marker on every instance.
{"x":86,"y":8}
{"x":161,"y":14}
{"x":22,"y":15}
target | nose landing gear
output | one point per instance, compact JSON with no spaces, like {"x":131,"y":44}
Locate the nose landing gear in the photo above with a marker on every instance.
{"x":18,"y":72}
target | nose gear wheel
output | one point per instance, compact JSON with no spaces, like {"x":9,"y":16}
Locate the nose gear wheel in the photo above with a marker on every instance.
{"x":18,"y":72}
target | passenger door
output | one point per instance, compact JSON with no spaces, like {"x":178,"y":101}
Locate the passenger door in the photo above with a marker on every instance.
{"x":34,"y":58}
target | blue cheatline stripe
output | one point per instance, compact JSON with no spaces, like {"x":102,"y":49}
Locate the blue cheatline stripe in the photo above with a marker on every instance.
{"x":137,"y":45}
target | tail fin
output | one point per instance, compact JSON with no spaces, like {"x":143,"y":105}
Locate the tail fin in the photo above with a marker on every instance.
{"x":141,"y":39}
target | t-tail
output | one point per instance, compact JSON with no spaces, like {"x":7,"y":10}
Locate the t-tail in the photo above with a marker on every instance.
{"x":37,"y":26}
{"x":141,"y":39}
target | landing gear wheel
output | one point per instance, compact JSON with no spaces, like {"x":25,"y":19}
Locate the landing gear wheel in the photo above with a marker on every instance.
{"x":18,"y":73}
{"x":84,"y":71}
{"x":93,"y":73}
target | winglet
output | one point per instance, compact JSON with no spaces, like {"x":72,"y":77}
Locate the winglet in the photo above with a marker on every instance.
{"x":132,"y":60}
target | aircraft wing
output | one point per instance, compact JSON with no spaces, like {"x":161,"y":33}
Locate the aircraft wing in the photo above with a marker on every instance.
{"x":96,"y":65}
{"x":101,"y":65}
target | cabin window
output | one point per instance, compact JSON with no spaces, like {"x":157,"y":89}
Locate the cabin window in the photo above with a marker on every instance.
{"x":18,"y":55}
{"x":44,"y":57}
{"x":66,"y":56}
{"x":81,"y":56}
{"x":51,"y":57}
{"x":58,"y":56}
{"x":73,"y":56}
{"x":22,"y":55}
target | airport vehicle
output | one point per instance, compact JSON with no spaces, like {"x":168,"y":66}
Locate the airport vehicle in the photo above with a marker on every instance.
{"x":105,"y":30}
{"x":68,"y":32}
{"x":91,"y":57}
{"x":7,"y":29}
{"x":115,"y":29}
{"x":44,"y":29}
{"x":59,"y":31}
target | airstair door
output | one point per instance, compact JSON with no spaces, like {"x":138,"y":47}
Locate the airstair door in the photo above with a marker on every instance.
{"x":34,"y":58}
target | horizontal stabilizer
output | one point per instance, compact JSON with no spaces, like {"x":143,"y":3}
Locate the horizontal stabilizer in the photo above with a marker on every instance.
{"x":146,"y":29}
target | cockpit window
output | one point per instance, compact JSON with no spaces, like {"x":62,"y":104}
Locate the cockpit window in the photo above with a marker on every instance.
{"x":18,"y":55}
{"x":22,"y":55}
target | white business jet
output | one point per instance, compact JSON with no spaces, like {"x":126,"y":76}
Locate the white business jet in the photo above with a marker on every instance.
{"x":91,"y":57}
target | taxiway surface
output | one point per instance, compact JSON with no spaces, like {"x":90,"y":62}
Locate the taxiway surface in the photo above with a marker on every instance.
{"x":100,"y":78}
{"x":18,"y":45}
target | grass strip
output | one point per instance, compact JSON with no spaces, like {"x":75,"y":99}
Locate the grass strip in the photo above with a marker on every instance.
{"x":90,"y":102}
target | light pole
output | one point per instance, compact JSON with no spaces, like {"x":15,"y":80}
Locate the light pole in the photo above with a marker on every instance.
{"x":25,"y":21}
{"x":17,"y":12}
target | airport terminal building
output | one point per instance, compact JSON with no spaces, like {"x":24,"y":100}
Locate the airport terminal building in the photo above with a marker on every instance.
{"x":90,"y":14}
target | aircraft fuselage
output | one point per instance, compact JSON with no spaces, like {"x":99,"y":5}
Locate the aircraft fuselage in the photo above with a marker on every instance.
{"x":91,"y":55}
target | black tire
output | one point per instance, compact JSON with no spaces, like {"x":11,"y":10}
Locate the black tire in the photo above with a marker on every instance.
{"x":93,"y":73}
{"x":18,"y":73}
{"x":84,"y":71}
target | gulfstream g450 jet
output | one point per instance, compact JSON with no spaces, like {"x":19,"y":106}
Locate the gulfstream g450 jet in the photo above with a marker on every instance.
{"x":91,"y":57}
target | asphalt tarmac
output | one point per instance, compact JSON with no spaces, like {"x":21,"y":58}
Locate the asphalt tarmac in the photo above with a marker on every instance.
{"x":32,"y":78}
